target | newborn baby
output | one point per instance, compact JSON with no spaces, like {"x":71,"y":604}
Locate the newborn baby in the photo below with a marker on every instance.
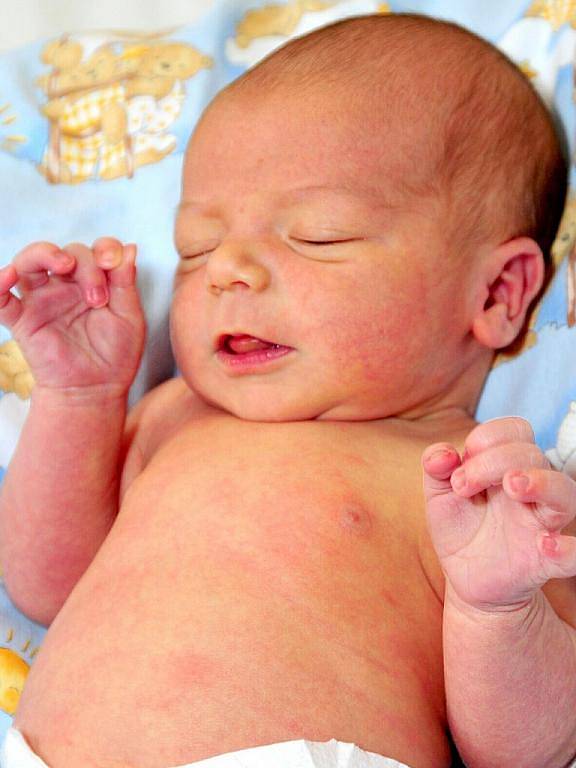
{"x":244,"y":558}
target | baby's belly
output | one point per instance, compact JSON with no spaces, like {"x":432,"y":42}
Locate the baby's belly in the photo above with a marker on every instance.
{"x":191,"y":636}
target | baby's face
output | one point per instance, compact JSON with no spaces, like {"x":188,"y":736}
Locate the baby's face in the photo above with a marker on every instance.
{"x":290,"y":233}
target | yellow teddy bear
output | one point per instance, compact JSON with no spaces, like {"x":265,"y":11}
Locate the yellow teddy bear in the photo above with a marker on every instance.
{"x":63,"y":56}
{"x":154,"y":96}
{"x":15,"y":375}
{"x":282,"y":19}
{"x":109,"y":112}
{"x":162,"y":66}
{"x":276,"y":19}
{"x":82,"y":104}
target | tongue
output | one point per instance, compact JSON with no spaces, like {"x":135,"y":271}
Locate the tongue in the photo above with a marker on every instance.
{"x":240,"y":344}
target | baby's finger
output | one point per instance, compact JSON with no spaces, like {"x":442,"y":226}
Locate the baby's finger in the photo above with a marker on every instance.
{"x":558,"y":555}
{"x":117,"y":259}
{"x":107,"y":252}
{"x":90,"y":279}
{"x":10,"y":305}
{"x":35,"y":263}
{"x":438,"y":463}
{"x":510,"y":429}
{"x":553,"y":493}
{"x":488,"y":468}
{"x":121,"y":275}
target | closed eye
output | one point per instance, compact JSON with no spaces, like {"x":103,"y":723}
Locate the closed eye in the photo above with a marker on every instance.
{"x":325,"y":242}
{"x":327,"y":251}
{"x":187,"y":255}
{"x":192,"y":261}
{"x":195,"y":255}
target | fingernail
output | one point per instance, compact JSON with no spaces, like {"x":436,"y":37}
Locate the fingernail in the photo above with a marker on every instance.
{"x":109,"y":259}
{"x":519,"y":483}
{"x":458,"y":479}
{"x":441,"y":453}
{"x":98,"y":295}
{"x":64,"y":257}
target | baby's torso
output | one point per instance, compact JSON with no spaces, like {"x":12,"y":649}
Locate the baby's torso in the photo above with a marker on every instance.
{"x":263,"y":582}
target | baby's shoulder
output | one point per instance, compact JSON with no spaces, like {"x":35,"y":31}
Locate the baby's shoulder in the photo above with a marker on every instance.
{"x":155,"y":416}
{"x":166,"y":406}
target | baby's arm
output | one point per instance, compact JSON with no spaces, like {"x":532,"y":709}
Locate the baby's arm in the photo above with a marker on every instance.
{"x":59,"y":496}
{"x":510,"y":660}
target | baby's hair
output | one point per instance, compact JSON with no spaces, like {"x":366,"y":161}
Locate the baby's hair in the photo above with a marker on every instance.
{"x":490,"y":144}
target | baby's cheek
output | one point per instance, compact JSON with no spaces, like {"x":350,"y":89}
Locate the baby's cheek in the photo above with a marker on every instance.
{"x":373,"y":343}
{"x":187,"y":314}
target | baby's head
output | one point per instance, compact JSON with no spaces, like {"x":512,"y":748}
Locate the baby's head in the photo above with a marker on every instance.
{"x":373,"y":200}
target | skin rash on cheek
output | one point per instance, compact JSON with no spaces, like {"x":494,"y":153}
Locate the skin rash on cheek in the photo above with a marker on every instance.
{"x":371,"y":349}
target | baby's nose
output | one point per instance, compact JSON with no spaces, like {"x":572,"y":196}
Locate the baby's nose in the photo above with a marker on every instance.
{"x":231,"y":266}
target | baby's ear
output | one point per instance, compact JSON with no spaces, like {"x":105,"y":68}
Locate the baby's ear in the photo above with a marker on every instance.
{"x":512,"y":274}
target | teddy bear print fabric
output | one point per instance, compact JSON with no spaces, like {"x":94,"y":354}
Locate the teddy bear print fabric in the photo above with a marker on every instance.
{"x":110,"y":104}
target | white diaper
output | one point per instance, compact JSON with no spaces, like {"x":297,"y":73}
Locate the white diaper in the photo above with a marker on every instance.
{"x":15,"y":753}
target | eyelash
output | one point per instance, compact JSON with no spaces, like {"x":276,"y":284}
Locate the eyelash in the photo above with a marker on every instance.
{"x":324,"y":242}
{"x":198,"y":255}
{"x":298,"y":240}
{"x":193,"y":256}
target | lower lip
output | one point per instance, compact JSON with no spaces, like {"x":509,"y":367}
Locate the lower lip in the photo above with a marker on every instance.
{"x":252,"y":361}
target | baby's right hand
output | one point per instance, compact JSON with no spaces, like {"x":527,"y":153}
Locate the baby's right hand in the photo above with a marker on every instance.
{"x":77,"y":318}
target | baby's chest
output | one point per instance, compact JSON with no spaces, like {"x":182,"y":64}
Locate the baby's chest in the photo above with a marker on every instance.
{"x":304,"y":522}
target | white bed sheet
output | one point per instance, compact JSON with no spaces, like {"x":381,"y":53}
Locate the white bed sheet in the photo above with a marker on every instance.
{"x":23,"y":21}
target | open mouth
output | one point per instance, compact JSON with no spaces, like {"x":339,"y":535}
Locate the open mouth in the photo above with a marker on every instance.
{"x":243,"y":343}
{"x":243,"y":349}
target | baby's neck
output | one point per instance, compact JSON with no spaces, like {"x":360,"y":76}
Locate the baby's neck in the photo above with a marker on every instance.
{"x":451,"y":424}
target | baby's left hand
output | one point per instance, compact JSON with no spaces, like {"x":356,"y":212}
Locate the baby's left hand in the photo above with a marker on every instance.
{"x":496,"y":516}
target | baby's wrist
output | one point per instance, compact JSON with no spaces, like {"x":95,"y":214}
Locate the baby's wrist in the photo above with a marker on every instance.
{"x":108,"y":396}
{"x":515,"y":611}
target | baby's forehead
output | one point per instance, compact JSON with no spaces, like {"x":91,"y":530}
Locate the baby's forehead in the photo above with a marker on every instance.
{"x":335,"y":135}
{"x":399,"y":74}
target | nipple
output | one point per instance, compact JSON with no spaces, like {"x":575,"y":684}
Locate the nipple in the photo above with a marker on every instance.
{"x":356,"y":519}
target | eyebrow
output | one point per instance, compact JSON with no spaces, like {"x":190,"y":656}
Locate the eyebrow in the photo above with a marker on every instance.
{"x":296,"y":194}
{"x":371,"y":195}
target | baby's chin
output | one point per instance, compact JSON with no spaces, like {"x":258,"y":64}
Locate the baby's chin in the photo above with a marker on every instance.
{"x":264,"y":412}
{"x":277,"y":410}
